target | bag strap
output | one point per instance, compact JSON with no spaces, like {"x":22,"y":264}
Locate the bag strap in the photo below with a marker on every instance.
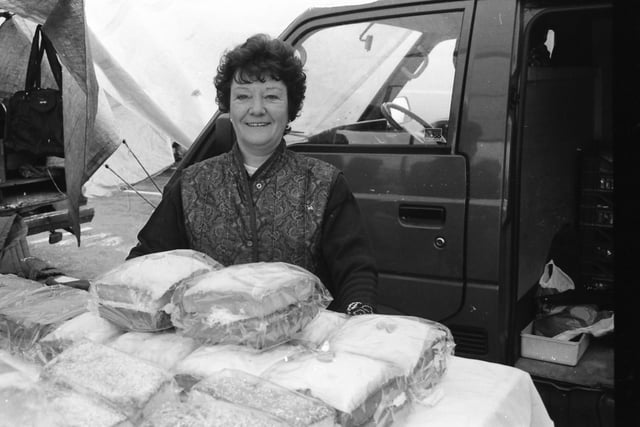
{"x":39,"y":45}
{"x":35,"y":57}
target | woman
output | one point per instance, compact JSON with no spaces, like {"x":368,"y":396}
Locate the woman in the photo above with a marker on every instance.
{"x":261,"y":201}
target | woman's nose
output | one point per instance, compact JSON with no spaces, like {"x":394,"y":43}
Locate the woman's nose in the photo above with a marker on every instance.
{"x":257,"y":106}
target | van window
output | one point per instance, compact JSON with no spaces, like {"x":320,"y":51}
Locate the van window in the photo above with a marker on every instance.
{"x":379,"y":82}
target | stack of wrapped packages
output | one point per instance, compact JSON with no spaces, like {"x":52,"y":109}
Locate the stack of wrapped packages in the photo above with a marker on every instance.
{"x":177,"y":339}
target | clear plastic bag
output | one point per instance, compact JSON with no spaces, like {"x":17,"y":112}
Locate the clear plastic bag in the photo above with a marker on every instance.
{"x":125,"y":383}
{"x":85,"y":326}
{"x":163,"y":349}
{"x":363,"y":390}
{"x":35,"y":312}
{"x":316,"y":333}
{"x":73,"y":409}
{"x":207,"y":360}
{"x":249,"y":390}
{"x":12,"y":287}
{"x":420,"y":347}
{"x":133,"y":294}
{"x":202,"y":410}
{"x":258,"y":304}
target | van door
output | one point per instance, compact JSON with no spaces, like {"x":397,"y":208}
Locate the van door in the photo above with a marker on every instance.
{"x":383,"y":103}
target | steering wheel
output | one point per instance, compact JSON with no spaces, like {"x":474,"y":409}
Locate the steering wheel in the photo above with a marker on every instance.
{"x":386,"y":108}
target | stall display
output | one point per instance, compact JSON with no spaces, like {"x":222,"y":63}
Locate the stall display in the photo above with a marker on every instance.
{"x":362,"y":390}
{"x":164,"y":349}
{"x":34,"y":313}
{"x":125,"y":383}
{"x":259,"y":304}
{"x":133,"y":294}
{"x":87,"y":325}
{"x":420,"y":347}
{"x":241,"y":388}
{"x":207,"y":360}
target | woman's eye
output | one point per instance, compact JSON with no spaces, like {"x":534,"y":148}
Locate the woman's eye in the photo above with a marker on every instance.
{"x":242,"y":97}
{"x":272,"y":97}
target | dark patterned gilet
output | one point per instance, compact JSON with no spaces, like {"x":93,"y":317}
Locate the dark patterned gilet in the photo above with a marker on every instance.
{"x":274,"y":216}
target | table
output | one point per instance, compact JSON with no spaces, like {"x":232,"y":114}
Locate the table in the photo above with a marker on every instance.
{"x":483,"y":394}
{"x":474,"y":394}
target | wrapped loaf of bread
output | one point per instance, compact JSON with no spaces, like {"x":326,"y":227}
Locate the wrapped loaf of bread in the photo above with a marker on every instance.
{"x":35,"y":312}
{"x":163,"y":349}
{"x":12,"y":287}
{"x":420,"y":347}
{"x":88,"y":326}
{"x":257,"y":304}
{"x":210,"y":359}
{"x":133,"y":294}
{"x":123,"y":382}
{"x":249,"y":390}
{"x":363,"y":390}
{"x":202,"y":410}
{"x":76,"y":410}
{"x":318,"y":331}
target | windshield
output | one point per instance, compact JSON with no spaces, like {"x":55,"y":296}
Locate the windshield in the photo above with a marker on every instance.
{"x":353,"y":69}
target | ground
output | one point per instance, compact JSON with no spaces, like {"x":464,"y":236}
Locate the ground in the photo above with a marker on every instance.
{"x":107,"y":239}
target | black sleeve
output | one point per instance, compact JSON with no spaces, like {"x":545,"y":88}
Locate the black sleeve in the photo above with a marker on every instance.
{"x":347,"y":251}
{"x":165,"y":229}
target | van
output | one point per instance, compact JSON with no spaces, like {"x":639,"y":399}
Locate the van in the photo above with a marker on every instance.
{"x":477,"y":137}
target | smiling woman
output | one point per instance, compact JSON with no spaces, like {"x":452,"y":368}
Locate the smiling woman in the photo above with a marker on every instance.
{"x":261,"y":202}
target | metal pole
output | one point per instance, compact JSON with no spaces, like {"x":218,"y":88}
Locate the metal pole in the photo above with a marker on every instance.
{"x":129,"y":185}
{"x":138,"y":160}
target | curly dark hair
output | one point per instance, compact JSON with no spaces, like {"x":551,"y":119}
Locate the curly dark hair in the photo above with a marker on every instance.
{"x":259,"y":58}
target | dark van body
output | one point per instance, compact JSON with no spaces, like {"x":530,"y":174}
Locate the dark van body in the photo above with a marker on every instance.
{"x":477,"y":137}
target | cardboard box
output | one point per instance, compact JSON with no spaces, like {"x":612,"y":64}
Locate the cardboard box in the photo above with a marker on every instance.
{"x":552,"y":350}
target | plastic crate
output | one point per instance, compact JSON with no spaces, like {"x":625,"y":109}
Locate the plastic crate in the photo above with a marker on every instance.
{"x":552,"y":350}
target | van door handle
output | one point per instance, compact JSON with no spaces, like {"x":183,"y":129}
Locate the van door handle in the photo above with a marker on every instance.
{"x":422,"y":216}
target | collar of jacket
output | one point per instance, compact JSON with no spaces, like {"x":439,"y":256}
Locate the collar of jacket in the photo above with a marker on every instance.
{"x":266,"y":166}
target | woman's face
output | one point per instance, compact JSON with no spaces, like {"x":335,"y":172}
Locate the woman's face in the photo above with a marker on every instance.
{"x":259,"y":113}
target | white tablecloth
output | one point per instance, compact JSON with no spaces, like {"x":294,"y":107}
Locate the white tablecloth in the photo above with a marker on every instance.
{"x":483,"y":394}
{"x":474,"y":394}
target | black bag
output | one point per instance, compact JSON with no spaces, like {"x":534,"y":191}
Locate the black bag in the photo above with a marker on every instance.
{"x":34,"y":116}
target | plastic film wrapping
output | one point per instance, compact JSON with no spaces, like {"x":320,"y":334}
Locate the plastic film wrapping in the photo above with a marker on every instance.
{"x":123,"y":382}
{"x":35,"y":312}
{"x":363,"y":390}
{"x":318,"y":331}
{"x":208,"y":360}
{"x":163,"y":349}
{"x":85,"y":326}
{"x":133,"y":294}
{"x":420,"y":347}
{"x":258,"y":304}
{"x":245,"y":389}
{"x":201,"y":410}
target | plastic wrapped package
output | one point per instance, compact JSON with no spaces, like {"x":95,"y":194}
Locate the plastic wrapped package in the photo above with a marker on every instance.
{"x":245,"y":389}
{"x":23,"y":402}
{"x":207,"y":360}
{"x":133,"y":294}
{"x":420,"y":347}
{"x":36,"y":312}
{"x":76,"y":410}
{"x":85,"y":326}
{"x":202,"y":410}
{"x":363,"y":390}
{"x":125,"y":383}
{"x":12,"y":286}
{"x":317,"y":332}
{"x":259,"y":304}
{"x":164,"y":349}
